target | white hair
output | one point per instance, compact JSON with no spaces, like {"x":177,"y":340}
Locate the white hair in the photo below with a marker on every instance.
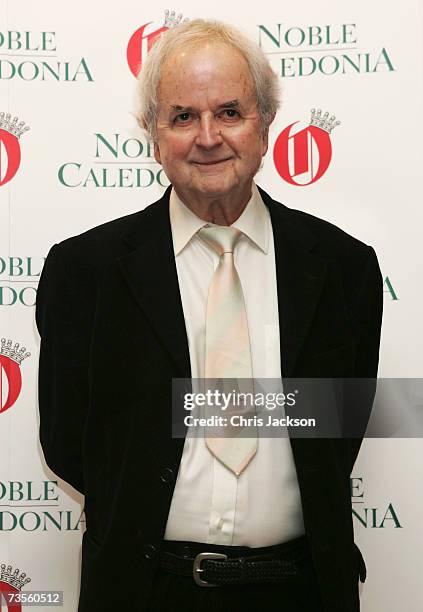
{"x":195,"y":33}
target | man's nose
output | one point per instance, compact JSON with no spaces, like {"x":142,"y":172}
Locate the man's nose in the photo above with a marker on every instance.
{"x":209,"y":134}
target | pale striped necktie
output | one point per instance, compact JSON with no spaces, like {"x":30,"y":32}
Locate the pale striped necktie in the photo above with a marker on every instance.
{"x":228,"y":352}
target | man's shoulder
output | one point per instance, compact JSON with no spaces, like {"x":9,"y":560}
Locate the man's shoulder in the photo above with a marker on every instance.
{"x":329,"y":240}
{"x":106,"y":240}
{"x":102,"y":234}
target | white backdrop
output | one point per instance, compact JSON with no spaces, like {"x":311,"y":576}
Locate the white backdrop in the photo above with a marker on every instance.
{"x":65,"y":72}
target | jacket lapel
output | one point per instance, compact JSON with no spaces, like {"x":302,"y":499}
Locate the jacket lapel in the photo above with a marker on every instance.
{"x":300,"y":279}
{"x":150,"y":271}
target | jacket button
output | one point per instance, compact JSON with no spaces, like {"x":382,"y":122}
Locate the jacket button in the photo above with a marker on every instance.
{"x":167,"y":475}
{"x":150,"y":551}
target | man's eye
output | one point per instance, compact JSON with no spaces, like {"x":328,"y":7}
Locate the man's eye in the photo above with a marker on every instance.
{"x":182,"y":118}
{"x":230,"y":113}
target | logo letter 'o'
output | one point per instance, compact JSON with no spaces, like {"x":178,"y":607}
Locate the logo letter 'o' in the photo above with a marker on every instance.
{"x":14,"y":379}
{"x":134,"y":51}
{"x":300,"y":155}
{"x":10,"y":143}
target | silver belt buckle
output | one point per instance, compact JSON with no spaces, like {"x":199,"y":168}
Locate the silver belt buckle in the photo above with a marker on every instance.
{"x":196,"y":569}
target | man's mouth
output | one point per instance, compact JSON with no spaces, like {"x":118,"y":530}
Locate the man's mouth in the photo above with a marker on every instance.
{"x":211,"y":162}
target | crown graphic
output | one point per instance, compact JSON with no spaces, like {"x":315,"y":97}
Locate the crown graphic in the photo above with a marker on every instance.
{"x":13,"y":351}
{"x":172,"y":20}
{"x":15,"y":128}
{"x":14,"y":579}
{"x":325,"y":123}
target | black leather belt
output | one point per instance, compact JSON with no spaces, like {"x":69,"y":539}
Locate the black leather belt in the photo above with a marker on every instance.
{"x":212,"y":565}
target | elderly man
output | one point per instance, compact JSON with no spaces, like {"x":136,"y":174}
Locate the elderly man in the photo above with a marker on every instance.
{"x":214,"y":279}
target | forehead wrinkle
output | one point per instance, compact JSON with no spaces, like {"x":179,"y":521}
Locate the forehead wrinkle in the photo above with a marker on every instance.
{"x":178,"y":67}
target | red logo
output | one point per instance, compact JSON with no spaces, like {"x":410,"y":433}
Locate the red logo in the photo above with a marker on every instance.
{"x":11,"y":358}
{"x":10,"y":150}
{"x":10,"y":587}
{"x":140,"y":43}
{"x":302,"y":156}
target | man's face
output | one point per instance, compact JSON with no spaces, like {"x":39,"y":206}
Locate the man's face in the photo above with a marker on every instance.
{"x":209,"y":140}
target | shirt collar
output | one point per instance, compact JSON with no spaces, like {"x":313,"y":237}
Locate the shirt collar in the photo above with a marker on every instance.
{"x":253,"y":222}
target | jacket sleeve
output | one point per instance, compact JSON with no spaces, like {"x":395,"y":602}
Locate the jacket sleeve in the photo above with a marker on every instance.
{"x":367,"y":316}
{"x":64,"y":316}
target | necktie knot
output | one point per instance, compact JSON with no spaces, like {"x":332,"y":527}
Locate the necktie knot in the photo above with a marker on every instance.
{"x":221,"y":238}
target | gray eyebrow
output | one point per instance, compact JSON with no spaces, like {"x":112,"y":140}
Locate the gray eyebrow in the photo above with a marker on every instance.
{"x":180,"y":109}
{"x":185,"y":109}
{"x":231,"y":104}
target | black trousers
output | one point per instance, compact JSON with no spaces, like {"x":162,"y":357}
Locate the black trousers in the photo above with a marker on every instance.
{"x":171,"y":593}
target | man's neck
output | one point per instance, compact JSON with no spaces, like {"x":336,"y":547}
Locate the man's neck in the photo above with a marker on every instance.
{"x":222,"y":210}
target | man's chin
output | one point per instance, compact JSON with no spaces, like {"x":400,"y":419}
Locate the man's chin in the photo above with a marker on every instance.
{"x":214,"y":186}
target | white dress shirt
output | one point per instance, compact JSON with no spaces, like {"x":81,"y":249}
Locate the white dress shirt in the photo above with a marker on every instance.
{"x":210,"y":504}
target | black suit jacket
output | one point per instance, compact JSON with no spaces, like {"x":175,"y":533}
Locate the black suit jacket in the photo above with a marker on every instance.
{"x":110,"y":317}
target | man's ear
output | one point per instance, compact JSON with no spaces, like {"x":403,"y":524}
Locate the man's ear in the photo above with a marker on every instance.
{"x":157,"y":153}
{"x":265,"y":141}
{"x":265,"y":136}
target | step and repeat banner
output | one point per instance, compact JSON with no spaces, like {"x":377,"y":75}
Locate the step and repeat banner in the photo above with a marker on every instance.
{"x":344,"y":146}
